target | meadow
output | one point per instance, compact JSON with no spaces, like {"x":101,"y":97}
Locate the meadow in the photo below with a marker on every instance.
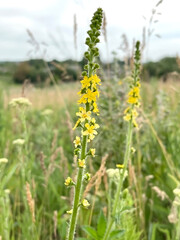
{"x":132,"y":187}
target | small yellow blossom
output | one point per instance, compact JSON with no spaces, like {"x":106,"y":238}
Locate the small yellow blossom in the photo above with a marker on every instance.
{"x":83,"y":114}
{"x":133,"y":150}
{"x":132,"y":100}
{"x":95,"y":80}
{"x":127,"y":117}
{"x":120,"y":165}
{"x":91,"y":96}
{"x":77,"y":123}
{"x":87,"y":177}
{"x":77,"y":142}
{"x":86,"y":82}
{"x":68,"y":181}
{"x":85,"y":203}
{"x":95,"y":108}
{"x":92,"y":151}
{"x":90,"y":132}
{"x":70,"y":211}
{"x":81,"y":163}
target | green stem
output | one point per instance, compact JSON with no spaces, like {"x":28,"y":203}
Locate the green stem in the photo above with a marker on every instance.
{"x":120,"y":184}
{"x":78,"y":191}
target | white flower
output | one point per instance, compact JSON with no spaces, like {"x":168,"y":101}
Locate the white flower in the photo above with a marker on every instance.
{"x":3,"y":160}
{"x":47,"y":112}
{"x":19,"y":142}
{"x":176,"y":192}
{"x":20,"y":102}
{"x":7,"y":191}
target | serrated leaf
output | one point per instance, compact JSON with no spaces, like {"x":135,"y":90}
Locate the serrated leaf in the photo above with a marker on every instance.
{"x":101,"y":225}
{"x":90,"y":231}
{"x":116,"y":233}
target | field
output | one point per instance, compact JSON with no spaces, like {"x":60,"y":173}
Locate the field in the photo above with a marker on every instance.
{"x":36,"y":170}
{"x":90,"y":150}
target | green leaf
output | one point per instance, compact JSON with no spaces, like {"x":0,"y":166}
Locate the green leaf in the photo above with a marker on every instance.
{"x":101,"y":225}
{"x":90,"y":231}
{"x":116,"y":233}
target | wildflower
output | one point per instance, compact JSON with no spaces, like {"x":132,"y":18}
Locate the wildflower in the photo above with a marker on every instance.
{"x":68,"y":181}
{"x":19,"y":142}
{"x":133,"y":150}
{"x":20,"y":102}
{"x":92,"y":152}
{"x":77,"y":142}
{"x":81,"y":163}
{"x":87,"y":177}
{"x":120,"y":165}
{"x":85,"y":203}
{"x":70,"y":211}
{"x":83,"y":114}
{"x":90,"y":132}
{"x":77,"y":124}
{"x":85,"y":82}
{"x":3,"y":160}
{"x":47,"y":112}
{"x":88,"y":96}
{"x":7,"y":191}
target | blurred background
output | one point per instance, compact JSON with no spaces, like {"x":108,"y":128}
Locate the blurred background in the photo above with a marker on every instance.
{"x":55,"y":30}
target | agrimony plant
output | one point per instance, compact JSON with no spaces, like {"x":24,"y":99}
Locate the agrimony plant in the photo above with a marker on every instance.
{"x":130,"y":115}
{"x":86,"y":122}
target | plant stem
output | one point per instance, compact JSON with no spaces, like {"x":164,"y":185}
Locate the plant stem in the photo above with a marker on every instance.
{"x":78,"y":191}
{"x":120,"y":184}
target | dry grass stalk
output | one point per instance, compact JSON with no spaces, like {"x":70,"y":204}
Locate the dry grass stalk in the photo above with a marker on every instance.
{"x":30,"y":201}
{"x":63,"y":163}
{"x":161,"y":194}
{"x":75,"y":32}
{"x":55,"y":223}
{"x":70,"y":126}
{"x":54,"y":141}
{"x":96,"y":179}
{"x":42,"y":163}
{"x":104,"y":27}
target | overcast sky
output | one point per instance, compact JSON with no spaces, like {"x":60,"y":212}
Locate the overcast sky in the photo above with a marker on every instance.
{"x":51,"y":22}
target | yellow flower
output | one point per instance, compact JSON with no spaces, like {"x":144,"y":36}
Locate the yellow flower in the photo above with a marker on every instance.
{"x":81,"y":163}
{"x":127,"y":117}
{"x":120,"y":165}
{"x":82,"y":100}
{"x":86,"y":82}
{"x":134,"y":92}
{"x":133,"y":150}
{"x":90,"y":132}
{"x":134,"y":113}
{"x":77,"y":142}
{"x":85,"y":203}
{"x":95,"y":108}
{"x":127,"y":110}
{"x":95,"y":80}
{"x":70,"y":211}
{"x":83,"y":114}
{"x":135,"y":123}
{"x":92,"y":151}
{"x":68,"y":181}
{"x":77,"y":123}
{"x":87,"y":177}
{"x":132,"y":100}
{"x":91,"y":96}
